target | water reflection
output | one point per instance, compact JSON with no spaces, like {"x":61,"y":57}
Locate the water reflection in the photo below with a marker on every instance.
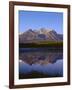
{"x":40,"y":64}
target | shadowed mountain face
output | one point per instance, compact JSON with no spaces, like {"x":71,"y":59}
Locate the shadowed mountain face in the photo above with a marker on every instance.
{"x":37,"y":35}
{"x":40,"y":64}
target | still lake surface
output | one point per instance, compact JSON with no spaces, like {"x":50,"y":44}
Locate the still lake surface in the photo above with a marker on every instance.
{"x":40,"y":63}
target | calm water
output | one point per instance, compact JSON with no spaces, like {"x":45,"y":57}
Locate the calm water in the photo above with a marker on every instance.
{"x":40,"y":63}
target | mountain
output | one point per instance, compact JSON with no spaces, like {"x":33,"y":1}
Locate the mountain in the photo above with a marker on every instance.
{"x":42,"y":34}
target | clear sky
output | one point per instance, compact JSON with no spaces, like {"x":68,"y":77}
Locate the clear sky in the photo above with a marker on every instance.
{"x":36,"y":20}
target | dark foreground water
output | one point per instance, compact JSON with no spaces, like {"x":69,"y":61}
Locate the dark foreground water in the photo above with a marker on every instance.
{"x":40,"y":63}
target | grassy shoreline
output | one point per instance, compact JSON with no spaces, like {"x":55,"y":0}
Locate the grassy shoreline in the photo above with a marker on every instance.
{"x":38,"y":45}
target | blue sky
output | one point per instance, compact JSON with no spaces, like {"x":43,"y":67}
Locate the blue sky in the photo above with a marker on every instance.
{"x":36,"y":20}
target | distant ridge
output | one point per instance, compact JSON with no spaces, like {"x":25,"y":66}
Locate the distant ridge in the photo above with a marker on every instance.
{"x":42,"y":34}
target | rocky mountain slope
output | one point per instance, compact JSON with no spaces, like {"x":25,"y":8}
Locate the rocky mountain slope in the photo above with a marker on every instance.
{"x":42,"y":34}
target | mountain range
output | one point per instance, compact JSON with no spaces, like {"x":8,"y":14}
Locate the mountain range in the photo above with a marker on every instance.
{"x":42,"y":34}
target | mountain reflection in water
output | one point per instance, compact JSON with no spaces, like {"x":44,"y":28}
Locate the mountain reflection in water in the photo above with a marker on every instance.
{"x":40,"y":64}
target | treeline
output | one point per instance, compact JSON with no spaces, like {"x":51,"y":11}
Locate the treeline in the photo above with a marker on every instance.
{"x":36,"y":45}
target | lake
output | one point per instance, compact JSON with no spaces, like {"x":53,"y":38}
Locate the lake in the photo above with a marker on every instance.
{"x":40,"y":63}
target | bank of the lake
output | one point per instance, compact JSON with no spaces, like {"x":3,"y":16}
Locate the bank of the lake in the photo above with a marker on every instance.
{"x":42,"y":45}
